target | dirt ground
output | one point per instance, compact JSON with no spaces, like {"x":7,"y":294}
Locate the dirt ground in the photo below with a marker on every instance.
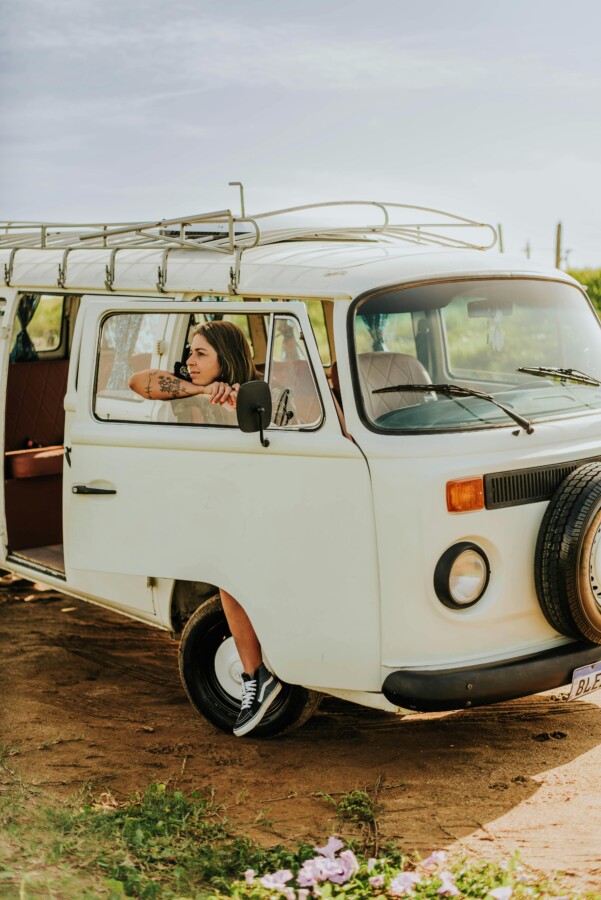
{"x":88,"y":696}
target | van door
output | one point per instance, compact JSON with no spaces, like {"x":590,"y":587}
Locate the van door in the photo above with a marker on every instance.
{"x":155,"y":493}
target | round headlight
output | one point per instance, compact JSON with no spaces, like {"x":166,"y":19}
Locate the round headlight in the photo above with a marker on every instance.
{"x":461,"y":575}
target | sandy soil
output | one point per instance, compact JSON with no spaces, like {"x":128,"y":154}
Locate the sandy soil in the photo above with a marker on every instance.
{"x":90,"y":696}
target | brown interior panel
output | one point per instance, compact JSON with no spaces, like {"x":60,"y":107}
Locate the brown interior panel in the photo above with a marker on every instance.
{"x":34,"y":512}
{"x":34,"y":403}
{"x":33,"y":474}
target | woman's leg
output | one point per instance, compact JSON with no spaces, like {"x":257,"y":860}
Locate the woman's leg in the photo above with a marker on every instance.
{"x":245,"y":637}
{"x":259,"y":686}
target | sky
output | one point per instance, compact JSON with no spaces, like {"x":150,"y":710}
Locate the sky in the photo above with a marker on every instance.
{"x":146,"y":109}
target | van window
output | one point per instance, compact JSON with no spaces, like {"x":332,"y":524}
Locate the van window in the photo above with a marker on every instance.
{"x":38,"y":326}
{"x":491,"y":342}
{"x":478,"y":334}
{"x":296,"y":400}
{"x":318,"y":322}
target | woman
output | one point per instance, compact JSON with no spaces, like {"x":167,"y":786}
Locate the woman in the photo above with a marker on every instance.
{"x":220,"y":361}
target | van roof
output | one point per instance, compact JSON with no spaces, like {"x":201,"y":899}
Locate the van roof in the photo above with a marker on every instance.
{"x":310,"y":270}
{"x":218,"y":253}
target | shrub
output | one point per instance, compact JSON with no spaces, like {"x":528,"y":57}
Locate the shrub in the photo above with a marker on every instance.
{"x":591,"y":278}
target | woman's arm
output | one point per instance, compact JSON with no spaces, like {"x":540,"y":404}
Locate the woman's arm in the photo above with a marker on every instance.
{"x":155,"y":384}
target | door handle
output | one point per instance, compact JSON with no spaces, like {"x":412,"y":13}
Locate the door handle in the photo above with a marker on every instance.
{"x":84,"y":489}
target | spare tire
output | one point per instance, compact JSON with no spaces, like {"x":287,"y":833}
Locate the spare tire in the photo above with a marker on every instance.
{"x":568,"y":556}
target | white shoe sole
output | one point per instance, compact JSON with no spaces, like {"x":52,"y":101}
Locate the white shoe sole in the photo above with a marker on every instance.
{"x":252,"y":723}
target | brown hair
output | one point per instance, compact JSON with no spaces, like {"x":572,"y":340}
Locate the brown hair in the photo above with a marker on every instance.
{"x":233,"y":351}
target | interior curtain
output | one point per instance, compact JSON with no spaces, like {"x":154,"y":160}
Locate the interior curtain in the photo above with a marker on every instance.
{"x":375,"y":326}
{"x":125,"y":330}
{"x":23,"y":349}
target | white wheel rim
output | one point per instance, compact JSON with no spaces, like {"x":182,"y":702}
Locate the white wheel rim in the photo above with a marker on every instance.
{"x":228,"y":668}
{"x":595,"y":567}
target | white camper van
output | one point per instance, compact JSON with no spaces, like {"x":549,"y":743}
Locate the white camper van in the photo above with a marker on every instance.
{"x":415,"y":525}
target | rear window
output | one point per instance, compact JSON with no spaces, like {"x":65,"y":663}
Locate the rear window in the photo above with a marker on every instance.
{"x":38,"y":326}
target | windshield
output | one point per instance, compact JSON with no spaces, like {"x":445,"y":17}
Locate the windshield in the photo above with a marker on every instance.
{"x":475,"y":334}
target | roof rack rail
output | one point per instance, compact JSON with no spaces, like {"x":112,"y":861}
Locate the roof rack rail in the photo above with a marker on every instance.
{"x":222,"y":232}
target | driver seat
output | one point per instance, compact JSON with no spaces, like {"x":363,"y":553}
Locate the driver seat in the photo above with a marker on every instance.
{"x":378,"y":370}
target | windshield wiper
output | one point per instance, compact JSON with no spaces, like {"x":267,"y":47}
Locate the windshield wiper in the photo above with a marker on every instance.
{"x":455,"y":390}
{"x":561,"y":374}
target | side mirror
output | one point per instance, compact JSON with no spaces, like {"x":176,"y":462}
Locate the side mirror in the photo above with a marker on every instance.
{"x":253,"y":408}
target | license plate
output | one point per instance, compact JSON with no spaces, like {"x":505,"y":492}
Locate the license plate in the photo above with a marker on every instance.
{"x":585,"y":680}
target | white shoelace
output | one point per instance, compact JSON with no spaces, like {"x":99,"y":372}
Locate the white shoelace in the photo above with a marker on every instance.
{"x":249,"y":689}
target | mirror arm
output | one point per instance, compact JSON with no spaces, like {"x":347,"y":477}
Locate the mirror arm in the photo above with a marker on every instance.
{"x":260,"y":410}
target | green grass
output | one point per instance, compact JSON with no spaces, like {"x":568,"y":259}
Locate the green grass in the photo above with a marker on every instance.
{"x":164,"y":844}
{"x":357,"y":808}
{"x":158,"y":844}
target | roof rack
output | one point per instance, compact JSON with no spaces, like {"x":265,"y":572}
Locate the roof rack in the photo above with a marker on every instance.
{"x":222,"y":232}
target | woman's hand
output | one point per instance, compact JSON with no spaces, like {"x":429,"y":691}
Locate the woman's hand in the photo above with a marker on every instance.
{"x":220,"y":392}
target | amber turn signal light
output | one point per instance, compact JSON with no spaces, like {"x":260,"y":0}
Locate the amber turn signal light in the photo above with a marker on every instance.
{"x":465,"y":494}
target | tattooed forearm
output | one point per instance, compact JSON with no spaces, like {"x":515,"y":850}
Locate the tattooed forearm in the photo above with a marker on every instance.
{"x":171,"y":385}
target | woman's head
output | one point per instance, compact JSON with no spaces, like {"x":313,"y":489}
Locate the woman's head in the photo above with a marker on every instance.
{"x":220,"y":352}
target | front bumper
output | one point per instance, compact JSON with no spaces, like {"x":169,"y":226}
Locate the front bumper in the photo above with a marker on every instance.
{"x":427,"y":690}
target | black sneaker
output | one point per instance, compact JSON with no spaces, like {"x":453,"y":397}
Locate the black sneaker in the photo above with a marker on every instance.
{"x":258,"y":693}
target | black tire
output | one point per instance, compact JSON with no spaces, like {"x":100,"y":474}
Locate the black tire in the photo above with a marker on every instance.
{"x":207,"y":660}
{"x":567,"y":574}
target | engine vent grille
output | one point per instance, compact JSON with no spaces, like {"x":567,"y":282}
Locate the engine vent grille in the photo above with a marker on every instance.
{"x":527,"y":485}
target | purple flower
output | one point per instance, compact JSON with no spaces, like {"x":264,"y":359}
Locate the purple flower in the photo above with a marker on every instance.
{"x":311,"y":872}
{"x":501,"y":893}
{"x":371,"y":863}
{"x":249,"y":876}
{"x":338,"y":870}
{"x":438,"y":858}
{"x":277,"y":881}
{"x":331,"y":848}
{"x":377,"y":881}
{"x":350,"y":864}
{"x":448,"y":886}
{"x":333,"y":870}
{"x":403,"y":883}
{"x":302,"y":894}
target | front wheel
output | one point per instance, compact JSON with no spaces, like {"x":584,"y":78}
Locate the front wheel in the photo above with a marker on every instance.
{"x":211,"y":670}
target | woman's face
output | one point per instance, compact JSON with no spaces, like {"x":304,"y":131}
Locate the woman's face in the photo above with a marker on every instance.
{"x":203,"y":363}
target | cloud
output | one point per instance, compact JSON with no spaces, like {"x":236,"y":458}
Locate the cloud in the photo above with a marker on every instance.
{"x":142,"y":106}
{"x":183,"y":48}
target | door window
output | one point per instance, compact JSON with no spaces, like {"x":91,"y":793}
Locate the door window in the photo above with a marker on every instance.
{"x":295,"y":397}
{"x":138,"y":342}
